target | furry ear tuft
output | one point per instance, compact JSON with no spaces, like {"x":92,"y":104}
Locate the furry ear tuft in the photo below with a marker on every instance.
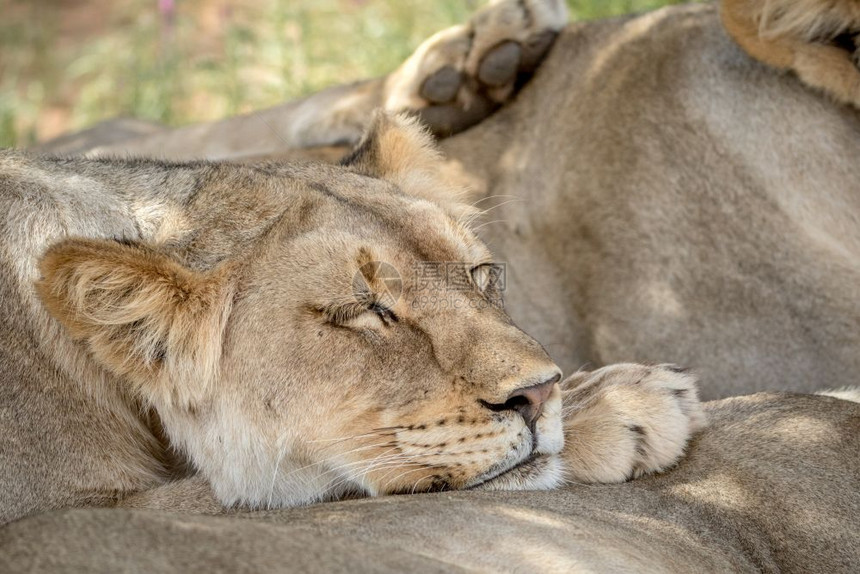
{"x":141,"y":314}
{"x":398,"y":149}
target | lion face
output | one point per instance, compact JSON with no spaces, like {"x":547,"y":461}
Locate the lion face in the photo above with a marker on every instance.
{"x":357,"y":346}
{"x":371,"y":385}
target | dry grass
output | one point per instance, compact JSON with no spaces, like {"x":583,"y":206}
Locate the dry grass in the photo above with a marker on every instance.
{"x":65,"y":64}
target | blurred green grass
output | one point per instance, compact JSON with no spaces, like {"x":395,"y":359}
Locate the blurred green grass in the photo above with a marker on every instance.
{"x":66,"y":65}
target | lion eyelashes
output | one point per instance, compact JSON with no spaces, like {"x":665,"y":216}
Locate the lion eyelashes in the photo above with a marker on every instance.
{"x":343,"y":313}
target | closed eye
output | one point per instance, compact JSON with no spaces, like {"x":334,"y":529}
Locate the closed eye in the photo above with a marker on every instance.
{"x":345,"y":314}
{"x":341,"y":313}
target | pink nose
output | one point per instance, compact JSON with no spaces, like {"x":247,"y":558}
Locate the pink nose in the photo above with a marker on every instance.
{"x":528,"y":401}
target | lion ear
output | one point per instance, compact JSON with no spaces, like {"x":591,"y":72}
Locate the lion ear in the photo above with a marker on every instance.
{"x":398,"y":149}
{"x":141,"y":314}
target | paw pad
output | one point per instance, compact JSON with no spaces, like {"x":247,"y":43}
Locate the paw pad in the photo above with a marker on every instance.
{"x":462,"y":74}
{"x":499,"y":67}
{"x":442,"y":86}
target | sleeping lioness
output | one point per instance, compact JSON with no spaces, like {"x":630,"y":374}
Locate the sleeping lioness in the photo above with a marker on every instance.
{"x":240,"y":326}
{"x":597,"y":267}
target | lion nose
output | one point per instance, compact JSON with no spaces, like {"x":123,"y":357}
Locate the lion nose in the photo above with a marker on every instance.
{"x":528,"y":401}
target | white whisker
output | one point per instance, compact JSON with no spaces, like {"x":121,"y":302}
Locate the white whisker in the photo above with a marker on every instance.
{"x":489,"y":197}
{"x":486,"y":223}
{"x":376,"y":432}
{"x":282,"y":451}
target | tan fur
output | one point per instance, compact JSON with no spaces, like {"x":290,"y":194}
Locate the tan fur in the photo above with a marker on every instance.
{"x":140,"y":314}
{"x":846,"y":394}
{"x":398,"y":148}
{"x":798,"y":35}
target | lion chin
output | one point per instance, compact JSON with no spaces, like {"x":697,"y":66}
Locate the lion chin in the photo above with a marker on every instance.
{"x":538,"y":472}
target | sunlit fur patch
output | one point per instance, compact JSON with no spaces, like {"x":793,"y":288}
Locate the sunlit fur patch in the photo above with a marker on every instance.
{"x":846,"y":394}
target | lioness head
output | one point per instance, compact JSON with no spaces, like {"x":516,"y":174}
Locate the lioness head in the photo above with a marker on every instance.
{"x":282,"y":328}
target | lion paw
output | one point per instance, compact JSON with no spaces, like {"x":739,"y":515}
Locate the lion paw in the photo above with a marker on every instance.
{"x":462,"y":74}
{"x":625,"y":421}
